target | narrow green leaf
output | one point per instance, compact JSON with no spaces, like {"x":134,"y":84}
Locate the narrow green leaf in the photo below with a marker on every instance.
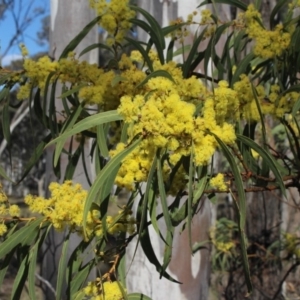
{"x":263,"y":131}
{"x":38,"y":152}
{"x":279,"y":5}
{"x":104,"y":174}
{"x":182,"y":50}
{"x":20,"y":279}
{"x":4,"y":93}
{"x":243,"y":244}
{"x":117,"y":79}
{"x":82,"y":125}
{"x":79,"y":37}
{"x":19,"y":236}
{"x":80,"y":278}
{"x":124,"y":135}
{"x":72,"y":91}
{"x":235,"y":3}
{"x":170,"y":28}
{"x":187,"y":67}
{"x":170,"y":229}
{"x":104,"y":195}
{"x":137,"y":296}
{"x":200,"y":188}
{"x":154,"y":37}
{"x":80,"y":295}
{"x":4,"y":264}
{"x":243,"y":67}
{"x":240,"y":207}
{"x":143,"y":204}
{"x":102,"y":141}
{"x":96,"y":46}
{"x":140,"y":48}
{"x":170,"y":51}
{"x":150,"y":254}
{"x":73,"y":162}
{"x":38,"y":110}
{"x":267,"y":157}
{"x":53,"y":123}
{"x":200,"y":245}
{"x":122,"y":271}
{"x":76,"y":273}
{"x":3,"y":174}
{"x":296,"y":108}
{"x":87,"y":123}
{"x":33,"y":263}
{"x":32,"y":270}
{"x":237,"y":177}
{"x":62,"y":266}
{"x":152,"y":205}
{"x":156,"y":31}
{"x":190,"y":197}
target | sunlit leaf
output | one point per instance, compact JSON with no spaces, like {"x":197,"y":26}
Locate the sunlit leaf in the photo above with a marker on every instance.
{"x":82,"y":125}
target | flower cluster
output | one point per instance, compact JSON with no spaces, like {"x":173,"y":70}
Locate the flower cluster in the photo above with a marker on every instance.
{"x":65,"y":206}
{"x":97,"y":84}
{"x":164,"y":112}
{"x":273,"y":102}
{"x":107,"y":290}
{"x":221,"y":236}
{"x":64,"y":209}
{"x":115,"y":17}
{"x":291,"y":244}
{"x":218,"y":182}
{"x":37,"y":73}
{"x":122,"y":222}
{"x":7,"y":211}
{"x":268,"y":43}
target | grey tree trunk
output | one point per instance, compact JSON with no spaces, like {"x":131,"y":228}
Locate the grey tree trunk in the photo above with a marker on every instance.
{"x":68,"y":18}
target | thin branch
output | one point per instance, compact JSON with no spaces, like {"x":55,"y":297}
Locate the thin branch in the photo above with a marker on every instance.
{"x":284,"y":278}
{"x":46,"y":282}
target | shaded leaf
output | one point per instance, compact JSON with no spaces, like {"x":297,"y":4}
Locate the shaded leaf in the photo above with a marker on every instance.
{"x":235,"y":3}
{"x":19,"y":236}
{"x":62,"y":268}
{"x":101,"y":180}
{"x":137,"y":296}
{"x":95,"y":46}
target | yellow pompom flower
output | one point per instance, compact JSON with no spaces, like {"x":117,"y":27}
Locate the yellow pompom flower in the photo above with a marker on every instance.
{"x":14,"y":210}
{"x":3,"y":229}
{"x":218,"y":182}
{"x":104,"y":291}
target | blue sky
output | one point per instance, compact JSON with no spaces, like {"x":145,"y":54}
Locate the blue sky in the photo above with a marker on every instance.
{"x":7,"y":30}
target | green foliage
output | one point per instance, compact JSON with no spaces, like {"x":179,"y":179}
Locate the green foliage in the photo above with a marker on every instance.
{"x":241,"y":86}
